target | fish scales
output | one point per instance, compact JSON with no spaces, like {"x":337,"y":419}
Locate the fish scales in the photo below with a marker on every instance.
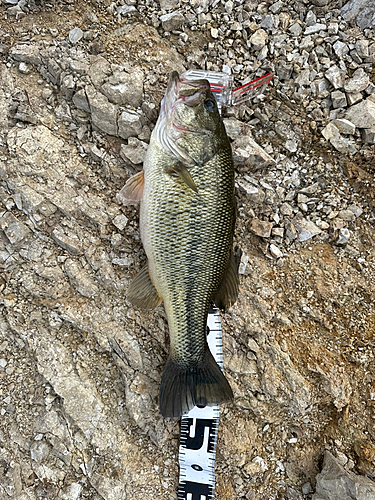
{"x":188,"y":238}
{"x":187,"y":221}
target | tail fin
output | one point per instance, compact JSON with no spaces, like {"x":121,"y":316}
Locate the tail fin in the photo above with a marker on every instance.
{"x":183,"y":387}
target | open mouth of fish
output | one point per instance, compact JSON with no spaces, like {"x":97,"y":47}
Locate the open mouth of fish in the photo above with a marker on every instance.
{"x":186,"y":91}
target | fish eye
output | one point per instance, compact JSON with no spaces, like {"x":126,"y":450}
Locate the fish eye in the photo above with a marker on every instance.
{"x":209,"y":105}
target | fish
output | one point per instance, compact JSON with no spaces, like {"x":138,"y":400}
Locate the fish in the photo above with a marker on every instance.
{"x":187,"y":219}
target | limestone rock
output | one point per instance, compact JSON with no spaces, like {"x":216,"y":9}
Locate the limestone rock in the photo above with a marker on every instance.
{"x":125,"y":88}
{"x":134,"y":151}
{"x":259,"y":39}
{"x":172,"y":21}
{"x":26,"y":53}
{"x":247,"y":152}
{"x":103,"y":112}
{"x":261,"y":228}
{"x":15,"y":230}
{"x":75,"y":35}
{"x":336,"y":76}
{"x":336,"y":483}
{"x":129,"y":124}
{"x":344,"y":126}
{"x":358,"y":82}
{"x":362,"y":114}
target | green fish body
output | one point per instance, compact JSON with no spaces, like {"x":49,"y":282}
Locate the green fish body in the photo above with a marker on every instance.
{"x":187,"y":218}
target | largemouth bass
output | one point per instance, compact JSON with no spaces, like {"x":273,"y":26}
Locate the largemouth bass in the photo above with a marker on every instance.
{"x":187,"y":217}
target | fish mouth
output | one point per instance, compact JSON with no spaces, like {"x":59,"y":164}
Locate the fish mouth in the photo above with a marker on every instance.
{"x":186,"y":91}
{"x":170,"y":127}
{"x":180,"y":90}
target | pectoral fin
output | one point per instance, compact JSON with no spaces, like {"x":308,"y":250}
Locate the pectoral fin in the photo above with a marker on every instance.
{"x":227,"y":293}
{"x":142,"y":292}
{"x":132,"y":192}
{"x":184,"y":174}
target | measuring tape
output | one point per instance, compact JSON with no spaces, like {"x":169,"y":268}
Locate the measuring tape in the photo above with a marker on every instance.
{"x":198,"y":435}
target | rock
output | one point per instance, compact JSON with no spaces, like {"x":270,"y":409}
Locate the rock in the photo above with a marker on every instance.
{"x":310,"y":189}
{"x":247,"y":152}
{"x":361,"y":46}
{"x":303,"y":78}
{"x":344,"y":126}
{"x":368,"y":135}
{"x":275,"y":251}
{"x":261,"y":228}
{"x":125,"y":88}
{"x":26,"y":53}
{"x":259,"y":39}
{"x":103,"y":112}
{"x":242,"y":268}
{"x":276,"y":7}
{"x":15,"y":230}
{"x":336,"y":76}
{"x":341,"y":49}
{"x":75,"y":35}
{"x":120,"y":221}
{"x":338,"y":99}
{"x":134,"y":151}
{"x":81,"y":101}
{"x":67,"y":240}
{"x":169,"y":4}
{"x":310,"y":19}
{"x":284,"y":70}
{"x":343,"y":236}
{"x":333,"y":28}
{"x":129,"y":124}
{"x":122,"y":10}
{"x":80,"y":279}
{"x":172,"y":21}
{"x":362,"y":114}
{"x":305,"y":228}
{"x":332,"y":134}
{"x":255,"y":194}
{"x":346,"y":215}
{"x":361,"y":10}
{"x":353,"y":98}
{"x":336,"y":483}
{"x":68,"y":86}
{"x":99,"y":70}
{"x":23,"y":68}
{"x":358,"y":82}
{"x":267,"y":22}
{"x":315,"y":28}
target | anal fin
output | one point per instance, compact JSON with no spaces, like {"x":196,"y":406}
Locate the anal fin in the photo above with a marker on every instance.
{"x":142,"y":292}
{"x":227,"y":293}
{"x":132,"y":192}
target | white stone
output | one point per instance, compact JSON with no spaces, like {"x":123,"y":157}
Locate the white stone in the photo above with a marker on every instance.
{"x":362,"y":114}
{"x":259,"y":39}
{"x":358,"y":82}
{"x":275,"y":251}
{"x":75,"y":35}
{"x":336,"y":76}
{"x":315,"y":28}
{"x":344,"y":126}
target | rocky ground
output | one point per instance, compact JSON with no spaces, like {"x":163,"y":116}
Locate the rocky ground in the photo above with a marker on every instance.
{"x":80,"y":87}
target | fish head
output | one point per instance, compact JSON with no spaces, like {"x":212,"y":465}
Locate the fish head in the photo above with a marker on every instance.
{"x":193,"y":128}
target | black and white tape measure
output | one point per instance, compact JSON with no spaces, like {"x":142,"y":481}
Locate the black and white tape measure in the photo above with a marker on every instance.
{"x":198,"y":435}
